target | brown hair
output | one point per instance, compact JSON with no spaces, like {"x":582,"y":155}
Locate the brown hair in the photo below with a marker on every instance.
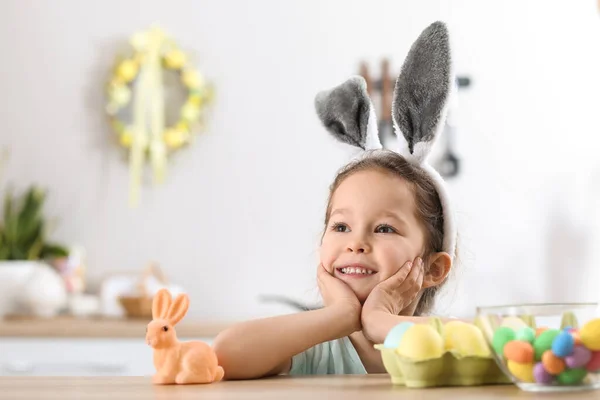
{"x":428,"y":205}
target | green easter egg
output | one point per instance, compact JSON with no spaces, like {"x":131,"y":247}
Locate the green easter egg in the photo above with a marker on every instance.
{"x":572,"y":376}
{"x":525,"y":335}
{"x":502,"y":336}
{"x":544,"y":342}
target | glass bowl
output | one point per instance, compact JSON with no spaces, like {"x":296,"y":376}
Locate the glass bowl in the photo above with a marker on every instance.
{"x":533,"y":343}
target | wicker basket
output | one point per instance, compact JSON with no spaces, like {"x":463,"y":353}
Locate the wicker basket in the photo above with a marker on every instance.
{"x":141,"y":306}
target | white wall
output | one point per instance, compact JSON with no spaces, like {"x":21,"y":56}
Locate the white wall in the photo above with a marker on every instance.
{"x":241,"y":211}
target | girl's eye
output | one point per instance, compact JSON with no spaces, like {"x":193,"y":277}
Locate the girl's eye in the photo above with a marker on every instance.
{"x":385,"y":229}
{"x":339,"y":227}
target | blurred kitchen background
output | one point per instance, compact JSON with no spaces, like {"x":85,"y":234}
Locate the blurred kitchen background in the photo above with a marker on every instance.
{"x":241,"y":210}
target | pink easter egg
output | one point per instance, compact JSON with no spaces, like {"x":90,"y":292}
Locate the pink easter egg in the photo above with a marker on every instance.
{"x":579,"y":358}
{"x":594,"y":364}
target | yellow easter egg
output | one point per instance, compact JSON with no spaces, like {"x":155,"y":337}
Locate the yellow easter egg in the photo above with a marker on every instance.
{"x":589,"y":335}
{"x":465,"y":339}
{"x":174,"y":138}
{"x":195,"y":99}
{"x":523,"y":372}
{"x":175,"y":59}
{"x":192,"y":79}
{"x":190,"y":112}
{"x":119,"y":94}
{"x":127,"y":70}
{"x":182,"y":126}
{"x":421,"y":342}
{"x":126,"y":139}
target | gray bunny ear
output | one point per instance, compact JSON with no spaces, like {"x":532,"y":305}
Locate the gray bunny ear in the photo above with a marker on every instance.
{"x":347,"y":113}
{"x":422,"y":93}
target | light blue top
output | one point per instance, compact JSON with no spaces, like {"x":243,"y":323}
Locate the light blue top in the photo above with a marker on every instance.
{"x":337,"y":357}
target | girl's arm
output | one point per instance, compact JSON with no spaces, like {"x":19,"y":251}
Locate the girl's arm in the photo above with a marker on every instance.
{"x":265,"y":347}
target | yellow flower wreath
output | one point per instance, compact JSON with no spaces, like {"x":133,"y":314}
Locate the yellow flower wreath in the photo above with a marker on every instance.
{"x":141,"y":72}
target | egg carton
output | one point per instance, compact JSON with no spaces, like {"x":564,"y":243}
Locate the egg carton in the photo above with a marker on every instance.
{"x":450,"y":369}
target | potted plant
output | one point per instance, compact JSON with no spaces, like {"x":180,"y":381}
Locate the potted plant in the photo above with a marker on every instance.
{"x":24,"y":247}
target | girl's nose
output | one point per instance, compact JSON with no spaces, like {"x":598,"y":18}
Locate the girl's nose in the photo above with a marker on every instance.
{"x":359,"y":245}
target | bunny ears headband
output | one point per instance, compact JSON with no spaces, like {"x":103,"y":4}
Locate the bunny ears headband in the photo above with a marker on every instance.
{"x":419,"y":107}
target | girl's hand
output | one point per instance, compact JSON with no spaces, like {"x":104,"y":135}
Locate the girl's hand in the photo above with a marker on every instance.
{"x":395,"y":293}
{"x":337,"y":293}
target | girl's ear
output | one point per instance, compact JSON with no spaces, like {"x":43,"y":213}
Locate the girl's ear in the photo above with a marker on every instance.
{"x":160,"y":304}
{"x":422,"y":93}
{"x":440,"y":265}
{"x":347,"y":113}
{"x":179,"y":308}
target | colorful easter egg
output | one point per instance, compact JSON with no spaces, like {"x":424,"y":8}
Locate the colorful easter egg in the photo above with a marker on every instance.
{"x":576,"y":338}
{"x":126,"y":139}
{"x":174,"y":138}
{"x":594,"y":364}
{"x":421,"y":342}
{"x":502,"y":336}
{"x":394,"y":336}
{"x":544,"y":342}
{"x":552,"y":363}
{"x":520,"y":352}
{"x":541,"y":375}
{"x":590,"y":334}
{"x":523,"y":372}
{"x":563,"y":344}
{"x":192,"y":79}
{"x":190,"y":112}
{"x":175,"y":59}
{"x":579,"y":358}
{"x":572,"y":376}
{"x":127,"y":70}
{"x":526,"y":334}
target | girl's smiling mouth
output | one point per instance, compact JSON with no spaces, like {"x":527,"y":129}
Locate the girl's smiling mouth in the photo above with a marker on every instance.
{"x":356,"y":270}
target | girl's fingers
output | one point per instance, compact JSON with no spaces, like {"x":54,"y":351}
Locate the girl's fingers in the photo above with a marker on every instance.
{"x":414,"y":280}
{"x":396,"y":280}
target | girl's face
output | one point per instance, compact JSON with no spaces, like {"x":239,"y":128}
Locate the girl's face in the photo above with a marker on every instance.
{"x":372,"y":231}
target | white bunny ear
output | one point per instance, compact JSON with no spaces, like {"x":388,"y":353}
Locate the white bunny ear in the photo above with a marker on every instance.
{"x":347,"y":113}
{"x":422,"y":93}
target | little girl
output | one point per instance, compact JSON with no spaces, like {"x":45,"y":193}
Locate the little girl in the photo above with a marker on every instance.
{"x":389,"y":238}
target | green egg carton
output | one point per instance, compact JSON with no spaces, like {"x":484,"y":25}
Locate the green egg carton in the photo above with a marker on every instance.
{"x":447,"y":370}
{"x":450,"y":369}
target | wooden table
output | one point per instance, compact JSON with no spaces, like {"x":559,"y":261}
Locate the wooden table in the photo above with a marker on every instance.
{"x":348,"y":387}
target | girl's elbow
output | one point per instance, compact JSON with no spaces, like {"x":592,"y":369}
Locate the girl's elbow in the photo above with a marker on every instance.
{"x":224,"y":350}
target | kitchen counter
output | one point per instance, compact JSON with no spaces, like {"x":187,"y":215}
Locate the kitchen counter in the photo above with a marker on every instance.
{"x":71,"y":327}
{"x":347,"y":387}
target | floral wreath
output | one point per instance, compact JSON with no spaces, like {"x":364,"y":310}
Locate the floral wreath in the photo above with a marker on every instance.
{"x":148,"y":134}
{"x":126,"y":70}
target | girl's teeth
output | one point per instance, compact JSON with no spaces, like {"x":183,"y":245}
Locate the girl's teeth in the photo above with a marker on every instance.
{"x":352,"y":270}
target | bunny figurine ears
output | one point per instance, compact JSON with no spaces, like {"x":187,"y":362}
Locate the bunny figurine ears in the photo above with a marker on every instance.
{"x":164,"y":307}
{"x":419,"y":107}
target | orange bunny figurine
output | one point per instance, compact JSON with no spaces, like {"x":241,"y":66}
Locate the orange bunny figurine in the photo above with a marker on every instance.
{"x":175,"y":361}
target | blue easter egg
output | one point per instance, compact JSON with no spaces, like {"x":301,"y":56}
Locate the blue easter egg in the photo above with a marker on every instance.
{"x":394,"y":336}
{"x":563,"y":344}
